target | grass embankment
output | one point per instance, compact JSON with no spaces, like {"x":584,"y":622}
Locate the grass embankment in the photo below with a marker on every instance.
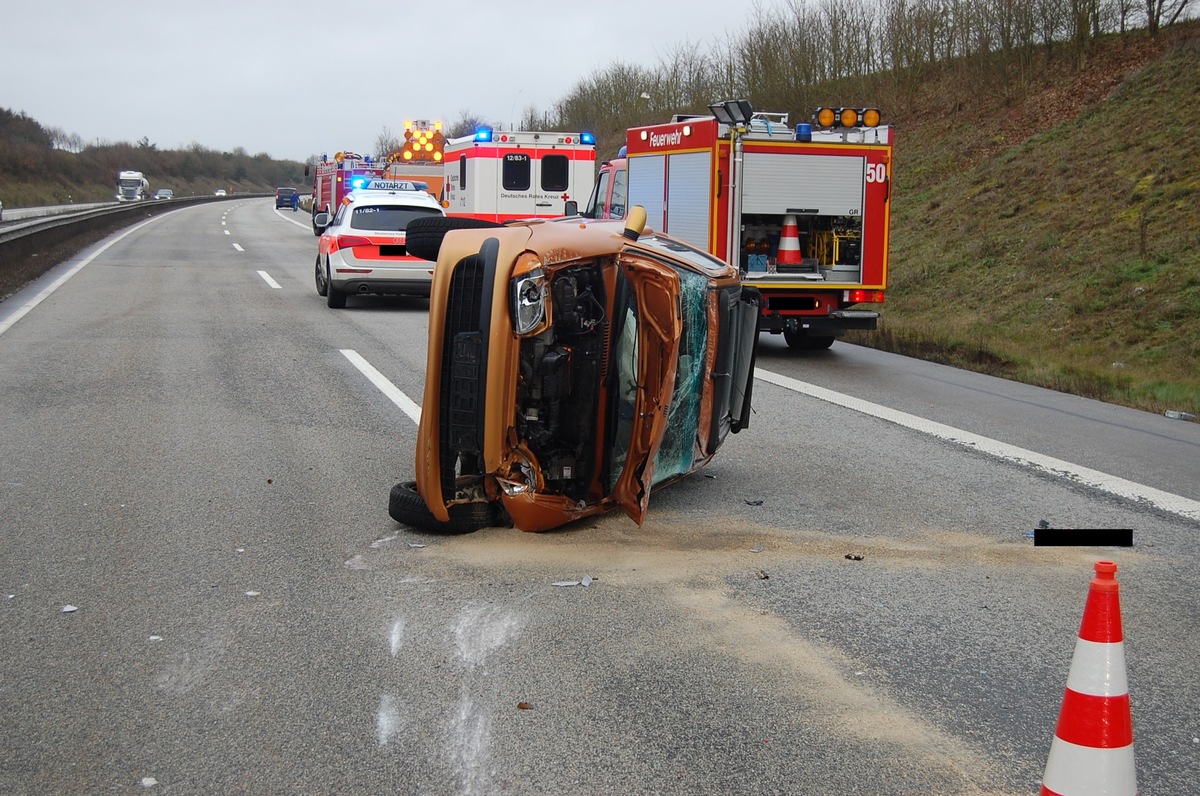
{"x":1055,"y":239}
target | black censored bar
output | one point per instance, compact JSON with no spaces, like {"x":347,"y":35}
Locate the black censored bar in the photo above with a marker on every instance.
{"x":1083,"y":537}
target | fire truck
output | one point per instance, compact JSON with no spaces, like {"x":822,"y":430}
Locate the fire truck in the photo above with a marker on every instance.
{"x":333,"y":179}
{"x":501,"y":175}
{"x":419,"y":159}
{"x":803,"y":212}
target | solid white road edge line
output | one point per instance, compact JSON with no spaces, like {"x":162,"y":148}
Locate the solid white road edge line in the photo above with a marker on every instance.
{"x":267,"y":278}
{"x":393,"y":393}
{"x":57,"y":283}
{"x":1093,"y":479}
{"x":301,"y":224}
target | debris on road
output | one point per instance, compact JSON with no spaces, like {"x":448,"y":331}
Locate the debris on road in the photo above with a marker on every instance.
{"x":586,"y":581}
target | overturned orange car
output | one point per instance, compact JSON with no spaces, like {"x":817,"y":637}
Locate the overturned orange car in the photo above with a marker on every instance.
{"x":573,"y":367}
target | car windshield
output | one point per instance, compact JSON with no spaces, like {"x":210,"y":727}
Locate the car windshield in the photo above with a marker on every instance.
{"x":387,"y":218}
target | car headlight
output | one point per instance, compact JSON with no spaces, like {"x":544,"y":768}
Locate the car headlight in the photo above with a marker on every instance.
{"x":528,"y":301}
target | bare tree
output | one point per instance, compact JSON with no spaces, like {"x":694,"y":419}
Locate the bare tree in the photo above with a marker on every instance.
{"x":1163,"y":12}
{"x":466,"y":124}
{"x":386,"y":143}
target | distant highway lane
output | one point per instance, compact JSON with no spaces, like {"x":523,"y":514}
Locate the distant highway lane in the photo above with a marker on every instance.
{"x":201,"y":590}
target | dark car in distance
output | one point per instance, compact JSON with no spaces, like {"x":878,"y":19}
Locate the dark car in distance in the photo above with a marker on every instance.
{"x":283,"y":197}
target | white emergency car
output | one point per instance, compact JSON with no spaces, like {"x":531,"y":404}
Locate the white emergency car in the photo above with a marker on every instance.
{"x":362,"y":247}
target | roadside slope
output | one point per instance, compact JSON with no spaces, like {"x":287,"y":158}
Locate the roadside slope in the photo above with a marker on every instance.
{"x":1055,"y":238}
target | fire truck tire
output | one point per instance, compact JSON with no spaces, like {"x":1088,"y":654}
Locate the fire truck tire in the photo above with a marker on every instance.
{"x":334,"y":298}
{"x":805,"y":342}
{"x":406,"y":506}
{"x":423,"y":236}
{"x":322,"y":283}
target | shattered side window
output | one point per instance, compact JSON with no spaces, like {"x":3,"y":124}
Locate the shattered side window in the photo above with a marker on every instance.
{"x":678,"y":449}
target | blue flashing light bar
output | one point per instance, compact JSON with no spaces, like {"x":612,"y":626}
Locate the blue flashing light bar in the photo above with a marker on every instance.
{"x":587,"y":138}
{"x":483,"y":134}
{"x":358,"y":182}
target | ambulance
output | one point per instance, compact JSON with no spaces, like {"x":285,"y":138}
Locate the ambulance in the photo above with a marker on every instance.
{"x":499,"y":175}
{"x":803,"y":212}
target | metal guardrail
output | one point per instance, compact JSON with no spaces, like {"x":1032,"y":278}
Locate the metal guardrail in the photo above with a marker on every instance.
{"x":31,"y":247}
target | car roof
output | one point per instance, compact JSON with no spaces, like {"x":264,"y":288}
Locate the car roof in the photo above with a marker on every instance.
{"x":395,"y":198}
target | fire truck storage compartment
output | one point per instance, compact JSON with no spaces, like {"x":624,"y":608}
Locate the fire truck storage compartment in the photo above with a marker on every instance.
{"x":831,"y":246}
{"x":688,"y":180}
{"x":825,"y":194}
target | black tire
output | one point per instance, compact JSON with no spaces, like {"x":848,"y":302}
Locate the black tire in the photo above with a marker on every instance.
{"x":423,"y":236}
{"x":334,"y":299}
{"x":322,"y":283}
{"x":407,"y":507}
{"x":805,"y":342}
{"x":820,"y":343}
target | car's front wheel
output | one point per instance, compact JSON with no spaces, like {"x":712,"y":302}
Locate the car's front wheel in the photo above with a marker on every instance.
{"x":408,"y":507}
{"x":322,"y":281}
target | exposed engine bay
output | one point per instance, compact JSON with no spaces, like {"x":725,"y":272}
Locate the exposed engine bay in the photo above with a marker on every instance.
{"x":561,"y":373}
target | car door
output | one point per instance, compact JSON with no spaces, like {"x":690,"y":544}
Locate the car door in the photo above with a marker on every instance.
{"x":655,"y":291}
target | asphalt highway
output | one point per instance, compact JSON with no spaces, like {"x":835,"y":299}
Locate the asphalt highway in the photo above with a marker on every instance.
{"x":201,"y":590}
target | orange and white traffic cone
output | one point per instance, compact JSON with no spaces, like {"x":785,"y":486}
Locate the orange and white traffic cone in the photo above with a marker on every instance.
{"x":789,"y":243}
{"x":1092,"y":750}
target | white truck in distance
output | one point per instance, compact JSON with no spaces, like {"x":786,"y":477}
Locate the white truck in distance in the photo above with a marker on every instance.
{"x":131,"y":186}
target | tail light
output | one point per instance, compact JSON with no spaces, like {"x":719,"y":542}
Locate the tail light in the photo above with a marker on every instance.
{"x":862,"y":296}
{"x":350,"y":242}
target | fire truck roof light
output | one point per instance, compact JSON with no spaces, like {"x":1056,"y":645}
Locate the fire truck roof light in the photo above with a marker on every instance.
{"x":846,"y":117}
{"x":483,"y":134}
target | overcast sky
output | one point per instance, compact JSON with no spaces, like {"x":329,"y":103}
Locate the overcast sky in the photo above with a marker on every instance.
{"x":297,"y":78}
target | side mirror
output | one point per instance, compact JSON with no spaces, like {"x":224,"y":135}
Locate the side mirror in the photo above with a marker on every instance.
{"x":321,"y":220}
{"x":571,"y":208}
{"x":305,"y":169}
